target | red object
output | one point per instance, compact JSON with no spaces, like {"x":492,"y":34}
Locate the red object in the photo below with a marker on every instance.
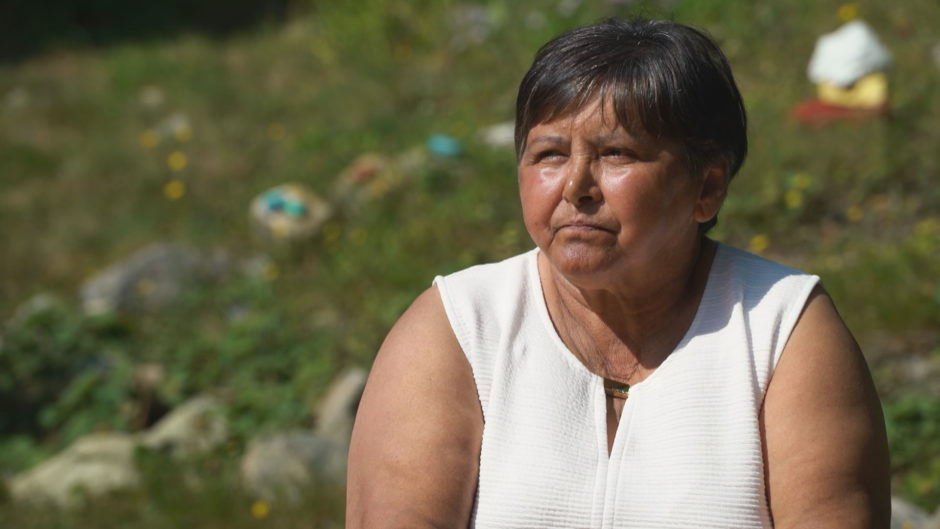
{"x":818,"y":113}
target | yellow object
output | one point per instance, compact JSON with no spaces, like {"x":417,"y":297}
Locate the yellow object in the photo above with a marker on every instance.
{"x":793,"y":198}
{"x":177,"y":161}
{"x":759,"y":243}
{"x":854,"y":213}
{"x":871,"y":91}
{"x":174,"y":190}
{"x":183,"y":132}
{"x":260,"y":509}
{"x":848,"y":11}
{"x":148,"y":139}
{"x":802,"y":180}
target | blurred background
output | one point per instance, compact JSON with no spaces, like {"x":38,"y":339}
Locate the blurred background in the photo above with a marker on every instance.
{"x":153,"y":257}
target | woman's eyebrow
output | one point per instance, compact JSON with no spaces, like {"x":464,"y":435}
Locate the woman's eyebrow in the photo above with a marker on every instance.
{"x":548,"y":138}
{"x":615,"y":136}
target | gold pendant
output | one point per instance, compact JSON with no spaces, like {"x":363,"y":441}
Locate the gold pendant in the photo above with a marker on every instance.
{"x":617,"y":390}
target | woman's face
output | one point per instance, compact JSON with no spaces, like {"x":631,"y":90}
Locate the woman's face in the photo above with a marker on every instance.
{"x":598,"y":199}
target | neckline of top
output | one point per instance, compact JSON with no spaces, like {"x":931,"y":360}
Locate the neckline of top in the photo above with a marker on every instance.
{"x":542,"y":308}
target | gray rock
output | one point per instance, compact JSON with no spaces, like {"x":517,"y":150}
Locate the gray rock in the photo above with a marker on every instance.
{"x":33,"y":307}
{"x":196,"y":427}
{"x":934,"y":522}
{"x":336,"y":411}
{"x":499,"y":135}
{"x":93,"y":465}
{"x":148,"y":280}
{"x":282,"y":466}
{"x":907,"y":516}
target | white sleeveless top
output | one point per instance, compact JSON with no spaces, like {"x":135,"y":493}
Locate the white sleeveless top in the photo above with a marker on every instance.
{"x":687,"y":452}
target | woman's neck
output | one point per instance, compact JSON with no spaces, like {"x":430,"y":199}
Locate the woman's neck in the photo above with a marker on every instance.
{"x":626,"y":331}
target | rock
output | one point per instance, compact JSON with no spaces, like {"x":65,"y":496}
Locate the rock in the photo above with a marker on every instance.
{"x":907,"y":516}
{"x":336,"y":411}
{"x":934,"y":522}
{"x":281,"y":466}
{"x":93,"y":465}
{"x":150,"y":279}
{"x":499,"y":135}
{"x":196,"y":427}
{"x":35,"y":306}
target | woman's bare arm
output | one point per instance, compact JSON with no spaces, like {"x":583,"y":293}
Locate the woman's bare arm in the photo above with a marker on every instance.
{"x":826,"y":451}
{"x":415,"y":448}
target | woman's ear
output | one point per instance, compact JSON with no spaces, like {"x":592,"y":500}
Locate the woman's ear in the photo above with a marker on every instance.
{"x":712,"y":192}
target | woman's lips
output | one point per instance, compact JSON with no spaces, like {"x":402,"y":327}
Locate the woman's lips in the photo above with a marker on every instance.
{"x":584,"y":227}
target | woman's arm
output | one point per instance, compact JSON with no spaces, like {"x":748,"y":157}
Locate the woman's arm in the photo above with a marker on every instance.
{"x":415,"y":448}
{"x":825,"y":445}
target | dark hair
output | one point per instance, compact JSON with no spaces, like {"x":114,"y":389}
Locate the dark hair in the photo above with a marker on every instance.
{"x":670,"y":80}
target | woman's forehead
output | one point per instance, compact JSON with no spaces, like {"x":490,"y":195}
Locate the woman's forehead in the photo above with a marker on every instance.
{"x":596,"y":117}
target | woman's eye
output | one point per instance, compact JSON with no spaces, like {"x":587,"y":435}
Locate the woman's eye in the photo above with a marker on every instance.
{"x":617,"y":153}
{"x":548,"y":155}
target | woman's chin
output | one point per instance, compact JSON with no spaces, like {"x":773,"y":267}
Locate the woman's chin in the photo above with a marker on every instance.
{"x":581,"y":262}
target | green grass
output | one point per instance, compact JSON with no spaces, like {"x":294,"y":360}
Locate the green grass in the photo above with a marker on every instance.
{"x":856,"y":203}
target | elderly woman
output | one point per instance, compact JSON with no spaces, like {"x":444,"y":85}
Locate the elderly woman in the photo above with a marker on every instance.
{"x":629,"y":371}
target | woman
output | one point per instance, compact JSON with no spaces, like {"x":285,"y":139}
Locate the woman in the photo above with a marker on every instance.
{"x":628,"y":372}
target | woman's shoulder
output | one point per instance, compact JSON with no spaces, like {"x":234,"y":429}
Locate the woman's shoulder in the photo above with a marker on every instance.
{"x":515,"y":265}
{"x":488,"y":286}
{"x":754,"y":264}
{"x":759,"y":279}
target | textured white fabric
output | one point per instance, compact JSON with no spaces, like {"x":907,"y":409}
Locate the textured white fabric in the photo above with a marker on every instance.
{"x":687,"y":453}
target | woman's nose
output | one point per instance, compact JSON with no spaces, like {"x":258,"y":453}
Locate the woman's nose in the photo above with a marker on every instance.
{"x":581,"y":187}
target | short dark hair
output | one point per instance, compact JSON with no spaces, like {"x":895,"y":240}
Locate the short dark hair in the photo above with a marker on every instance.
{"x":669,"y":79}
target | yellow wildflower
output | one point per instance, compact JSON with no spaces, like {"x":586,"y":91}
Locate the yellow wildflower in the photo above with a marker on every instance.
{"x":854,"y":213}
{"x":148,"y":139}
{"x":260,"y":509}
{"x":174,"y":189}
{"x":793,"y":198}
{"x":183,"y":132}
{"x":177,"y":161}
{"x":848,"y":11}
{"x":802,"y":180}
{"x":759,"y":243}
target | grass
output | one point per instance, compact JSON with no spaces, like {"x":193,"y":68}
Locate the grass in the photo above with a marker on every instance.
{"x":92,"y":137}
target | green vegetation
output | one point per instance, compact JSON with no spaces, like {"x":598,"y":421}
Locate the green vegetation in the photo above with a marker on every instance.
{"x":104,"y":150}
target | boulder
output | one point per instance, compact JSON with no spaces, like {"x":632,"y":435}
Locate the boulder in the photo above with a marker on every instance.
{"x":282,"y":466}
{"x":93,"y":465}
{"x":500,"y":135}
{"x":908,"y":516}
{"x":196,"y":427}
{"x":148,"y":280}
{"x":336,"y":411}
{"x":33,"y":307}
